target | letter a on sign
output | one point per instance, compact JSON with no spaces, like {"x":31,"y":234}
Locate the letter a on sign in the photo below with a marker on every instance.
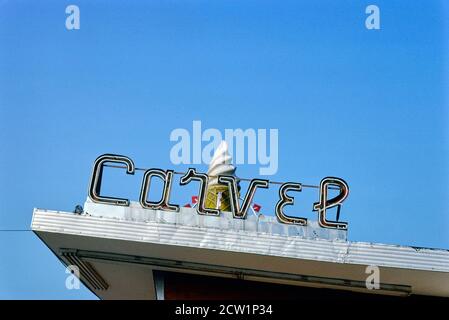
{"x":163,"y":203}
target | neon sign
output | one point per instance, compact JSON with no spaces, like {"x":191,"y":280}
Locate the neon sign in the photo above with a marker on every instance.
{"x":239,"y":211}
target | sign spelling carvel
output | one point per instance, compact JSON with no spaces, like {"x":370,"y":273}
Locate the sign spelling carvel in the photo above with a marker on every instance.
{"x":238,"y":211}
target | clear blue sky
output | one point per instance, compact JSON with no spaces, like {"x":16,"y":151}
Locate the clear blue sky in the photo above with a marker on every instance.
{"x":370,"y":106}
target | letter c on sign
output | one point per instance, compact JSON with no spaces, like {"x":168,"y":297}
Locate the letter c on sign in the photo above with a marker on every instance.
{"x":97,"y":173}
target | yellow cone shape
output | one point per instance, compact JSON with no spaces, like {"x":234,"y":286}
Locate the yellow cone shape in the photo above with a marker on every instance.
{"x":217,"y":195}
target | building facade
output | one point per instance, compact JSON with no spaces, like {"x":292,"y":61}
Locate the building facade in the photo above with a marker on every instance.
{"x":128,"y":252}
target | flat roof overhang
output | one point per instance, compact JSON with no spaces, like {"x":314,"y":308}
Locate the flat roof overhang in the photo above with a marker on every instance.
{"x":116,"y":257}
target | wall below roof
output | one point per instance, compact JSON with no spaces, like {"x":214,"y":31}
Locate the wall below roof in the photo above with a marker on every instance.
{"x":183,"y":286}
{"x":125,"y":245}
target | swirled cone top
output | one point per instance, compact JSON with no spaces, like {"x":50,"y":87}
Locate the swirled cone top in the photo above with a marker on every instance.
{"x":221,"y":164}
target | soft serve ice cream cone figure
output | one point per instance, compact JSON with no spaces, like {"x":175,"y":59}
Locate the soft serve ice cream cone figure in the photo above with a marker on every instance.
{"x":217,"y":195}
